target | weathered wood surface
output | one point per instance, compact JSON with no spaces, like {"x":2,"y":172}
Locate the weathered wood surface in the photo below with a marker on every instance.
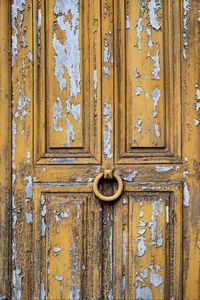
{"x":92,"y":85}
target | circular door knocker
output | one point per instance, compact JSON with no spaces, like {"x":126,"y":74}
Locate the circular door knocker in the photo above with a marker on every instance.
{"x":107,"y":174}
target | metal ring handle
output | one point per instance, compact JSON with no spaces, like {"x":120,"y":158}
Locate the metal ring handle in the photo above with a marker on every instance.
{"x":107,"y":198}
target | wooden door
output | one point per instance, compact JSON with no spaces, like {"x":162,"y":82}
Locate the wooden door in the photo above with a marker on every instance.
{"x":100,"y":86}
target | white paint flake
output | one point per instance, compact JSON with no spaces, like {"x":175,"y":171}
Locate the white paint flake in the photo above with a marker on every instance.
{"x":67,"y":54}
{"x":138,"y":90}
{"x":139,"y":28}
{"x":18,"y":7}
{"x":186,"y":29}
{"x":130,"y":176}
{"x":157,"y":130}
{"x":57,"y":114}
{"x":128,"y":22}
{"x":30,"y":56}
{"x":156,"y":70}
{"x":22,"y":103}
{"x":56,"y":249}
{"x":29,"y":187}
{"x":155,"y":278}
{"x":29,"y":217}
{"x":42,"y":291}
{"x":141,"y":246}
{"x":153,"y":7}
{"x":137,"y":74}
{"x":186,"y":193}
{"x":70,"y":134}
{"x":58,"y":277}
{"x":155,"y":95}
{"x":156,"y":232}
{"x":74,"y":109}
{"x":143,"y":293}
{"x":107,"y":133}
{"x":138,"y":125}
{"x":167,"y":213}
{"x":163,"y":168}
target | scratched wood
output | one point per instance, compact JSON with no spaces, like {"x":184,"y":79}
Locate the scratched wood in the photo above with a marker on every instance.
{"x":96,"y":85}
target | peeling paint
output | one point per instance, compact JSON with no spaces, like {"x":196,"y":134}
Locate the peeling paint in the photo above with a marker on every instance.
{"x":153,"y":7}
{"x":137,"y":74}
{"x":130,"y":176}
{"x":143,"y":293}
{"x":139,"y":28}
{"x":29,"y":217}
{"x":57,"y":114}
{"x":28,"y":188}
{"x":58,"y":277}
{"x":138,"y":90}
{"x":70,"y":135}
{"x":128,"y":22}
{"x":155,"y":279}
{"x":138,"y":125}
{"x":186,"y":29}
{"x":17,"y":9}
{"x":155,"y":95}
{"x":67,"y":55}
{"x":157,"y":131}
{"x":74,"y":291}
{"x":163,"y":168}
{"x":186,"y":193}
{"x":42,"y":291}
{"x":107,"y":132}
{"x":30,"y":56}
{"x":74,"y":109}
{"x":156,"y":233}
{"x":57,"y":250}
{"x":156,"y":70}
{"x":141,"y":246}
{"x":22,"y":103}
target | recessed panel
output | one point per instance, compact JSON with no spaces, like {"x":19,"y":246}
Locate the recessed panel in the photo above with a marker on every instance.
{"x":67,"y":89}
{"x":145,"y":93}
{"x":147,"y":81}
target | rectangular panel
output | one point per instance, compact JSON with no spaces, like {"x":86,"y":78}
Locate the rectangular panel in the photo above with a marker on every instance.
{"x":145,"y":246}
{"x":67,"y":243}
{"x":67,"y":80}
{"x":147,"y":93}
{"x":125,"y":250}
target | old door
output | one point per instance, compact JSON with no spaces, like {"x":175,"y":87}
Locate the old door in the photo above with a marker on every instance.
{"x":108,"y":91}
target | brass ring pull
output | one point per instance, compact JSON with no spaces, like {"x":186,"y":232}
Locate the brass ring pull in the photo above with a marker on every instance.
{"x":107,"y":198}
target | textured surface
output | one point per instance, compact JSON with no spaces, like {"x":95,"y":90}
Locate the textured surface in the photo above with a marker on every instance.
{"x":92,"y":85}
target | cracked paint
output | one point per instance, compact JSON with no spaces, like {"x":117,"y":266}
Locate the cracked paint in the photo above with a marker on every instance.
{"x":155,"y":95}
{"x":186,"y":28}
{"x":153,"y":7}
{"x":67,"y":54}
{"x":57,"y":114}
{"x":107,"y":132}
{"x":17,"y":10}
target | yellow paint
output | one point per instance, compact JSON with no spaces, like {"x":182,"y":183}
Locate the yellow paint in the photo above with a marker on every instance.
{"x":96,"y":86}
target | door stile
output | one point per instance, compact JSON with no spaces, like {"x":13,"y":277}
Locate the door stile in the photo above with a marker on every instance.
{"x":5,"y":151}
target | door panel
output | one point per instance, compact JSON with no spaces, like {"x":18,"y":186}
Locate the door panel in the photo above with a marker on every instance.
{"x":99,"y":86}
{"x":67,"y":92}
{"x":87,"y":249}
{"x":148,"y":111}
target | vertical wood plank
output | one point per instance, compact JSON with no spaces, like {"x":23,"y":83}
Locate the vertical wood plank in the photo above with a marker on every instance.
{"x":22,"y":90}
{"x":5,"y":150}
{"x":191,"y":149}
